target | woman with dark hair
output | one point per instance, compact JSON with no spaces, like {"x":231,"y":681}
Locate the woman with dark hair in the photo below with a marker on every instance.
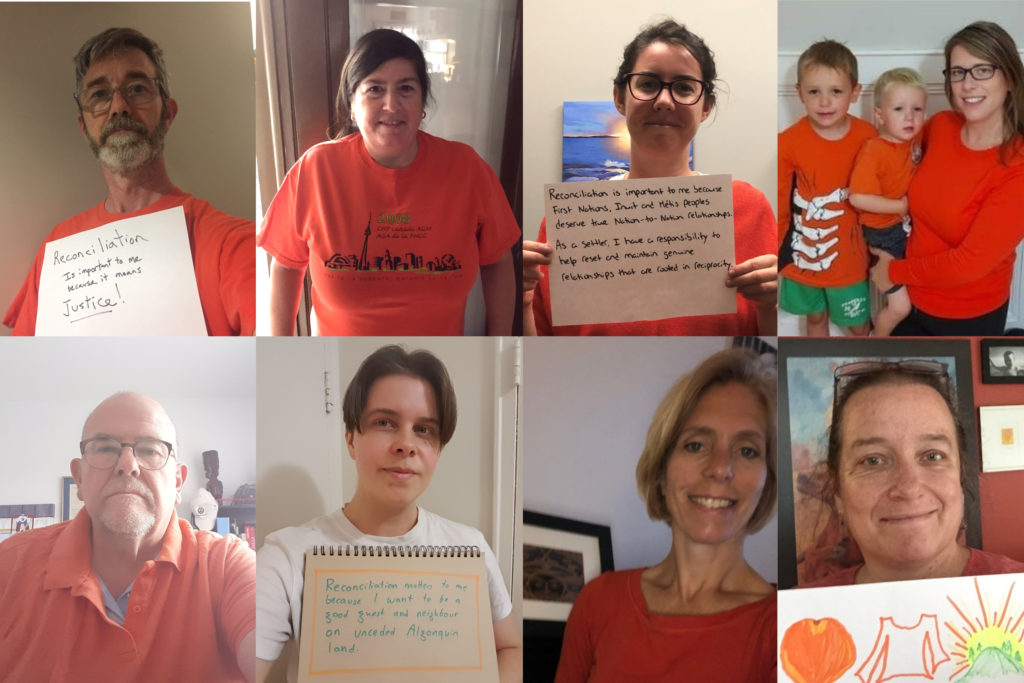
{"x":708,"y":470}
{"x":896,"y":466}
{"x":399,"y":412}
{"x":665,"y":88}
{"x":967,"y":196}
{"x":393,"y":223}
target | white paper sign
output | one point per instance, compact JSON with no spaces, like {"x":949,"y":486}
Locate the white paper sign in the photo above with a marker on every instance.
{"x":129,"y":277}
{"x":960,"y":629}
{"x":640,"y":249}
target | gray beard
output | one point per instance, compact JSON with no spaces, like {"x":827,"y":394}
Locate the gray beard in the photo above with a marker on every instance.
{"x":124,"y":154}
{"x":137,"y":523}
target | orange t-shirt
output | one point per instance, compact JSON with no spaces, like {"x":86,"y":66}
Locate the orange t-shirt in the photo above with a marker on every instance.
{"x":389,"y":251}
{"x":223,"y":257}
{"x":753,"y":224}
{"x":827,"y":248}
{"x":968,"y":212}
{"x":188,"y":611}
{"x":883,"y":168}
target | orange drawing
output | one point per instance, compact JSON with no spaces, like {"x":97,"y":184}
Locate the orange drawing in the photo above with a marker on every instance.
{"x":904,"y":651}
{"x":817,"y":651}
{"x":987,"y":648}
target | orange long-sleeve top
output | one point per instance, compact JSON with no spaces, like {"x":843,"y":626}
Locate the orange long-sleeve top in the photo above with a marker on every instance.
{"x":967,"y":208}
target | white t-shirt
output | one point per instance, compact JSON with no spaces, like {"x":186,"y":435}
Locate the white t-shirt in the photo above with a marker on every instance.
{"x":280,"y":563}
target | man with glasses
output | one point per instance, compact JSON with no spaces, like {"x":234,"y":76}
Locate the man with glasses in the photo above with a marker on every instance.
{"x":124,"y":111}
{"x":126,"y":591}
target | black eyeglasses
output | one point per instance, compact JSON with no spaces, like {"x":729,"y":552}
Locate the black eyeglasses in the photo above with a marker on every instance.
{"x":136,"y":92}
{"x":102,"y":452}
{"x":911,"y":366}
{"x":647,"y":87}
{"x":979,"y":72}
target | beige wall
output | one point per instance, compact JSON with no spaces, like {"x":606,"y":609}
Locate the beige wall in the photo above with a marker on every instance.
{"x":572,"y":50}
{"x":48,"y":173}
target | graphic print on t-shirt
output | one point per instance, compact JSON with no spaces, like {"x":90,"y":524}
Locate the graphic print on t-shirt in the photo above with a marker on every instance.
{"x":394,"y":243}
{"x":813,"y":247}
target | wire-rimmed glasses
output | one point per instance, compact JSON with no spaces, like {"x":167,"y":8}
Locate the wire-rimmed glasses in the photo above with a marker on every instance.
{"x":136,"y":92}
{"x":102,"y":452}
{"x":647,"y":87}
{"x":911,"y":366}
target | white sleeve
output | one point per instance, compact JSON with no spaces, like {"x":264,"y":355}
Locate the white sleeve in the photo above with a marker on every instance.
{"x":275,"y":581}
{"x":501,"y":604}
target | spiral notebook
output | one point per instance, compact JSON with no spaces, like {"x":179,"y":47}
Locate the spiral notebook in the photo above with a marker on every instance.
{"x":396,"y":613}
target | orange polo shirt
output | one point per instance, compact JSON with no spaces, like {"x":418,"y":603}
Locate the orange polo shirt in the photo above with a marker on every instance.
{"x":188,"y":611}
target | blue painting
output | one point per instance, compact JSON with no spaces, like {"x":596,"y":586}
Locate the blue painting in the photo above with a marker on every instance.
{"x":595,"y":142}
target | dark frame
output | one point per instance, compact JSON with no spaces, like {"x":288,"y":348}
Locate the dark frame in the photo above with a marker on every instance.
{"x":990,"y":345}
{"x":542,"y":638}
{"x":958,"y":349}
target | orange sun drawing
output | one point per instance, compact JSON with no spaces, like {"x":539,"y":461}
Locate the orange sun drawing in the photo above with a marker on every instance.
{"x":991,"y":642}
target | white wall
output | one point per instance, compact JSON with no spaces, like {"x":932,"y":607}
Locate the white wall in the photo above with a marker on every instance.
{"x":588,"y":404}
{"x":884,"y":35}
{"x":52,"y":384}
{"x":48,"y":173}
{"x":572,"y":50}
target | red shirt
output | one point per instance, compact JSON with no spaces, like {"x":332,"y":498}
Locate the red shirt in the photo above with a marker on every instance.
{"x":754,"y":234}
{"x":611,"y":637}
{"x":979,"y":563}
{"x":223,"y":256}
{"x":968,"y":218}
{"x":389,"y":251}
{"x":188,"y":611}
{"x":884,"y":169}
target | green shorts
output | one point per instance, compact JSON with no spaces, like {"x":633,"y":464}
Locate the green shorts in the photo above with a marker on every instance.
{"x":846,"y":306}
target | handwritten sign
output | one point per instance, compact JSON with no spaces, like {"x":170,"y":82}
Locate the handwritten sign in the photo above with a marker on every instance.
{"x":411,"y":618}
{"x":640,"y":249}
{"x":129,"y":277}
{"x":962,"y":628}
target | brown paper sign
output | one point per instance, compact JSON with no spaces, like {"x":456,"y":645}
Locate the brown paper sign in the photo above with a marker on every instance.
{"x":640,"y":249}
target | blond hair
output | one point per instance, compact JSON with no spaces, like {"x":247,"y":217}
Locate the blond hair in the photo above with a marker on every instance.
{"x":831,"y":54}
{"x":898,"y":76}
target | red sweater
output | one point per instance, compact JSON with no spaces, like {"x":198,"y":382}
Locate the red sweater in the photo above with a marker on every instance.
{"x":968,"y":216}
{"x":754,"y":233}
{"x":979,"y":563}
{"x":612,"y":637}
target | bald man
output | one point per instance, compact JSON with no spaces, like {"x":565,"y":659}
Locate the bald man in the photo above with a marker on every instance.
{"x":126,"y":591}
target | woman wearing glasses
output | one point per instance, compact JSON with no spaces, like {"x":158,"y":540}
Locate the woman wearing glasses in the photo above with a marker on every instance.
{"x":665,"y":88}
{"x":393,"y":224}
{"x":896,"y":466}
{"x":708,"y":470}
{"x":967,"y":196}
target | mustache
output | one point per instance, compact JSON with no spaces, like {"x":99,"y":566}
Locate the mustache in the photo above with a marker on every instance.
{"x":127,"y":486}
{"x":121,"y":123}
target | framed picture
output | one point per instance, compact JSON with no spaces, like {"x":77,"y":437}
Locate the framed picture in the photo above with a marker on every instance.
{"x":812,"y":542}
{"x":559,"y":556}
{"x":1002,"y":361}
{"x":1002,"y":438}
{"x":69,"y":496}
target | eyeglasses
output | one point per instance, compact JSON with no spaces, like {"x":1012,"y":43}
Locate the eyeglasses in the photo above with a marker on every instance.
{"x":912,"y":366}
{"x":102,"y":452}
{"x":647,"y":87}
{"x":136,"y":92}
{"x":979,"y":72}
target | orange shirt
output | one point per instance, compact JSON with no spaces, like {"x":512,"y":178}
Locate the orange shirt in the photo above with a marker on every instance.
{"x":883,"y":168}
{"x":223,"y":256}
{"x":968,"y":214}
{"x":389,"y":251}
{"x":753,"y":227}
{"x":827,"y":249}
{"x":188,"y":611}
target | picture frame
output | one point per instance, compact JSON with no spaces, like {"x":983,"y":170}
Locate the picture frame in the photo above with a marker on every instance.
{"x":806,"y":520}
{"x":70,"y":504}
{"x":1002,"y":361}
{"x":1002,"y":438}
{"x":544,"y":620}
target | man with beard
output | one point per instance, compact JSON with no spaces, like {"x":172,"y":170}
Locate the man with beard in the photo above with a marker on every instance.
{"x":125,"y":110}
{"x":126,"y":591}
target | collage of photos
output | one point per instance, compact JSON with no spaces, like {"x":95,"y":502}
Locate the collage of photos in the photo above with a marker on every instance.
{"x":277,"y":410}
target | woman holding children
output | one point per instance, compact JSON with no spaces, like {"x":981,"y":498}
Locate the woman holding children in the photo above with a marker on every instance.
{"x":665,"y":88}
{"x":967,"y":195}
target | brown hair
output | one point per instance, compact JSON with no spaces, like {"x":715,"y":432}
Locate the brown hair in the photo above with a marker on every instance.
{"x":672,"y":33}
{"x":111,"y":42}
{"x":394,"y":360}
{"x":831,"y":54}
{"x":741,"y":366}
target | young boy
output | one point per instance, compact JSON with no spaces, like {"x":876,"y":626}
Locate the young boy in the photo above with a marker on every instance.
{"x":399,"y":412}
{"x":822,"y":258}
{"x":881,"y":177}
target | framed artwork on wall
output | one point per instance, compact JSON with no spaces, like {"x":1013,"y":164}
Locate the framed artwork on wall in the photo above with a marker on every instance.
{"x":70,"y":504}
{"x":1002,"y":361}
{"x":1002,"y":438}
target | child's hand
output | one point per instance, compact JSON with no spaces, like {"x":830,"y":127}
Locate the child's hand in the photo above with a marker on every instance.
{"x":880,"y":271}
{"x":756,"y":279}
